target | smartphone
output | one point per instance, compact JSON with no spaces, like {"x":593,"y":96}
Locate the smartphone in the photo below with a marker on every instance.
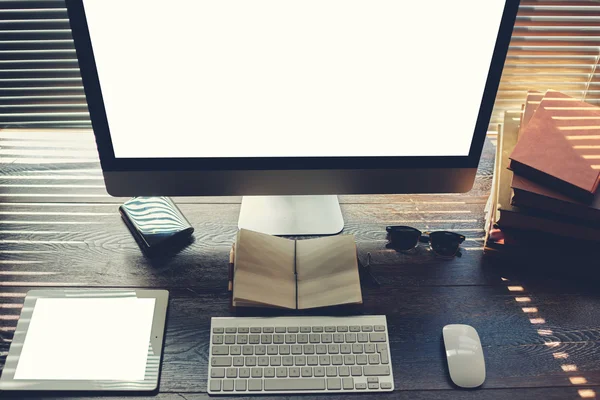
{"x":156,"y":223}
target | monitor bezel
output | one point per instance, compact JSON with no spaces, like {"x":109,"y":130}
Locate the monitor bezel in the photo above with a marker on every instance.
{"x":109,"y":162}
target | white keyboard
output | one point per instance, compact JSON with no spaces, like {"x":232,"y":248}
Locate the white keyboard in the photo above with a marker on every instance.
{"x":299,"y":355}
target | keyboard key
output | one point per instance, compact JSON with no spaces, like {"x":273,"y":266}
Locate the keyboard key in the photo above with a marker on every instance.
{"x":275,"y":361}
{"x":218,"y":330}
{"x":294,"y":372}
{"x":255,"y":330}
{"x":348,"y":383}
{"x":247,"y":350}
{"x":357,"y":348}
{"x":346,"y":349}
{"x":284,"y":349}
{"x":250,"y":361}
{"x":260,"y":350}
{"x":376,"y":370}
{"x":349,"y":360}
{"x":363,"y":337}
{"x":382,"y":347}
{"x":272,"y":349}
{"x":342,"y":329}
{"x":305,"y":329}
{"x":269,"y":372}
{"x":374,"y":358}
{"x":360,"y":386}
{"x":294,"y":384}
{"x":232,"y":372}
{"x":300,"y":360}
{"x":278,"y":338}
{"x":287,"y":360}
{"x":321,"y":349}
{"x":314,"y":338}
{"x":290,"y":338}
{"x":326,"y":338}
{"x":221,"y":361}
{"x":296,"y":349}
{"x":356,"y":370}
{"x":243,"y":330}
{"x":231,"y":330}
{"x":331,"y":371}
{"x":386,"y":385}
{"x":217,"y":339}
{"x":280,"y":329}
{"x":337,"y":360}
{"x":369,"y":348}
{"x":379,"y":328}
{"x":309,"y":349}
{"x":330,"y":329}
{"x":256,"y":372}
{"x":312,"y":360}
{"x":355,"y":329}
{"x":240,"y":385}
{"x":228,"y":385}
{"x":377,"y":337}
{"x":373,"y":385}
{"x":319,"y":371}
{"x":350,"y":337}
{"x":229,"y":339}
{"x":266,"y":338}
{"x":302,"y":338}
{"x":238,"y":361}
{"x":293,"y":329}
{"x":244,"y":372}
{"x":334,"y":383}
{"x":217,"y":373}
{"x":263,"y":361}
{"x":306,"y":371}
{"x":235,"y":350}
{"x":215,"y":385}
{"x":361,"y":359}
{"x":268,"y":330}
{"x":254,"y":339}
{"x":367,"y":328}
{"x":281,"y":372}
{"x":333,"y":348}
{"x":338,"y":338}
{"x":344,"y":371}
{"x":384,"y":358}
{"x":317,"y":329}
{"x":255,"y":385}
{"x":324,"y":360}
{"x":220,"y":350}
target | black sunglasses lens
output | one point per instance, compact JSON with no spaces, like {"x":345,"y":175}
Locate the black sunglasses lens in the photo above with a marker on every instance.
{"x":445,"y":243}
{"x":403,"y":238}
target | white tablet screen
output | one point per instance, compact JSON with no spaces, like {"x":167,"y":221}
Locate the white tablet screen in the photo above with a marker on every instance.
{"x":87,"y":339}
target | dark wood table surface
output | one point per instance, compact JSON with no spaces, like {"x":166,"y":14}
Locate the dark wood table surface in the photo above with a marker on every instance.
{"x":59,"y":228}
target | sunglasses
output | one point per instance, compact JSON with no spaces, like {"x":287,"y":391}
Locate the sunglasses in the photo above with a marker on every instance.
{"x":443,"y":243}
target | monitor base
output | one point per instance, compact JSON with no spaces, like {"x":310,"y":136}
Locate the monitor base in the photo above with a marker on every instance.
{"x":292,"y":215}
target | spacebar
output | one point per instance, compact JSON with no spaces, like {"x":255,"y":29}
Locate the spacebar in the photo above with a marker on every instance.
{"x":295,"y":384}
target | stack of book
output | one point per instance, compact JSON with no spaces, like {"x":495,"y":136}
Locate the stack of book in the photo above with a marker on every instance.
{"x":545,"y":191}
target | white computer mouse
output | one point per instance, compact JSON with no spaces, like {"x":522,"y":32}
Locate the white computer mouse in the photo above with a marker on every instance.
{"x":464,"y":354}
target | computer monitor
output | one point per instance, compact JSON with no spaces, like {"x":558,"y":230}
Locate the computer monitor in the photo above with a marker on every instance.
{"x":290,"y":102}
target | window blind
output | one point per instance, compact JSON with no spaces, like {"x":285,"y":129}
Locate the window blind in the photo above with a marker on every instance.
{"x":555,"y":45}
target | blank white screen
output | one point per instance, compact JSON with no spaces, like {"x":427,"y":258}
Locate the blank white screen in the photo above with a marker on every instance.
{"x":287,"y":78}
{"x":87,"y":339}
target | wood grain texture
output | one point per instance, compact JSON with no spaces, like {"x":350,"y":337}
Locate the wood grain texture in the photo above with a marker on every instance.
{"x":58,"y":228}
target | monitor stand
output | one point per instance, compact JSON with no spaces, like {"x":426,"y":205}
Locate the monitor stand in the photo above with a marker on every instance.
{"x":292,"y":215}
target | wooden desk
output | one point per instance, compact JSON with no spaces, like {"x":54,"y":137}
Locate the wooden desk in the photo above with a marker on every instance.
{"x":59,"y":228}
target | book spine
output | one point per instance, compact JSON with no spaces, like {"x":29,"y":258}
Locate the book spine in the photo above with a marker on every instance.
{"x":296,"y":270}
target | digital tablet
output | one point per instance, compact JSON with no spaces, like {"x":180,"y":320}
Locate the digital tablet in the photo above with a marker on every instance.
{"x":87,"y":340}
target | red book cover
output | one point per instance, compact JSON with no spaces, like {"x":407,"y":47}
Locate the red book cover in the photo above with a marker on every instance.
{"x":560,"y":146}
